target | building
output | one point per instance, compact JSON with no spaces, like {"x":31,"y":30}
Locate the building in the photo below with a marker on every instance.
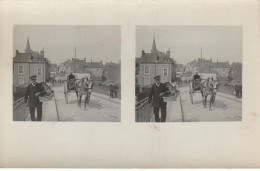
{"x":204,"y":65}
{"x":222,"y":70}
{"x":28,"y":64}
{"x":53,"y":68}
{"x":112,"y":72}
{"x":96,"y":70}
{"x":75,"y":65}
{"x":154,"y":63}
{"x":179,"y":68}
{"x":236,"y":71}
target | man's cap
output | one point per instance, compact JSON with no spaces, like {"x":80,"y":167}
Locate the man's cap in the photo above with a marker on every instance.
{"x":33,"y":77}
{"x":157,"y":77}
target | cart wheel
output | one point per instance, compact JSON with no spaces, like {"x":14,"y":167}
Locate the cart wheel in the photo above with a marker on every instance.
{"x":191,"y":97}
{"x":213,"y":98}
{"x":191,"y":92}
{"x":66,"y":92}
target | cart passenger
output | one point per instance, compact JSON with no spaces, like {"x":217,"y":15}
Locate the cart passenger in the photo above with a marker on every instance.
{"x":196,"y":77}
{"x":71,"y":76}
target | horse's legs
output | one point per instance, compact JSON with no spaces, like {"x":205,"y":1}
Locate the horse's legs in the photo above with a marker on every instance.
{"x":213,"y":98}
{"x":86,"y":101}
{"x":80,"y":96}
{"x":77,"y":93}
{"x":211,"y":101}
{"x":205,"y":100}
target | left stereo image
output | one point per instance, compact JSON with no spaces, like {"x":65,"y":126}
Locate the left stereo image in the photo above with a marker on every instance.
{"x":66,"y":73}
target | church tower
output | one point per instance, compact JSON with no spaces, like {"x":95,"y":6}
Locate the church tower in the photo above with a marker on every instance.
{"x":28,"y":48}
{"x":154,"y":50}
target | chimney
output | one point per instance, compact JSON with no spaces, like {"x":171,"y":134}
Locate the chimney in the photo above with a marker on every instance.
{"x":84,"y":59}
{"x":17,"y":51}
{"x":142,"y":52}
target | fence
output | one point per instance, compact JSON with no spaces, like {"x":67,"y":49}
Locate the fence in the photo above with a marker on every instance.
{"x":143,"y":111}
{"x":20,"y":111}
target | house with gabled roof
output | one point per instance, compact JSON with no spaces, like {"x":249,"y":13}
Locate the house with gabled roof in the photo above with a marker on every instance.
{"x":28,"y":64}
{"x":155,"y":63}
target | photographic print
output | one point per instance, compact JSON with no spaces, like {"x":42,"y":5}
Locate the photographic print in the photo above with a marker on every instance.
{"x":188,"y":73}
{"x":66,"y":73}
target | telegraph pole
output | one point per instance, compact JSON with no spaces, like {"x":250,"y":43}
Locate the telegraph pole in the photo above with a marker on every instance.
{"x":75,"y":52}
{"x":201,"y":52}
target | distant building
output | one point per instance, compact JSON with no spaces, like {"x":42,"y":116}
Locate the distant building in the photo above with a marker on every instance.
{"x":204,"y":65}
{"x":179,"y":68}
{"x":236,"y":71}
{"x":222,"y":70}
{"x":28,"y":64}
{"x":96,"y":70}
{"x":75,"y":65}
{"x":155,"y":63}
{"x":112,"y":72}
{"x":53,"y":68}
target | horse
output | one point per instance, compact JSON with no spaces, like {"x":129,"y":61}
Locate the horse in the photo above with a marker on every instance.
{"x":209,"y":87}
{"x":84,"y":87}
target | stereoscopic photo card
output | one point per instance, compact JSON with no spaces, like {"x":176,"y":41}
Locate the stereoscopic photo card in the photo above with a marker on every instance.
{"x":130,"y":84}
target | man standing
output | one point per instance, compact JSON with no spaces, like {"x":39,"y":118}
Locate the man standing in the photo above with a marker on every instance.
{"x":111,"y":89}
{"x":157,"y":92}
{"x":34,"y":90}
{"x":237,"y":89}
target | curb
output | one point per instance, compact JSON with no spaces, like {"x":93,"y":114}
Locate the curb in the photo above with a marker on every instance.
{"x":227,"y":96}
{"x":96,"y":95}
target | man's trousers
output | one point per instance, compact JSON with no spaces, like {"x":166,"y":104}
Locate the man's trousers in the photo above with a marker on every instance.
{"x":39,"y":112}
{"x":163,"y":113}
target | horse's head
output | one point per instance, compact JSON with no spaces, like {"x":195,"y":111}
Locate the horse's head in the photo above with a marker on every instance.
{"x":215,"y":85}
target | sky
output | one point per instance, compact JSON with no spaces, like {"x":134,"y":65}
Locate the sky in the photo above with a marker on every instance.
{"x":59,"y":42}
{"x":222,"y":43}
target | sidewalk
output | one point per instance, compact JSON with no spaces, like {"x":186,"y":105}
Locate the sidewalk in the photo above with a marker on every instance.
{"x":230,"y":97}
{"x":106,"y":97}
{"x":48,"y":111}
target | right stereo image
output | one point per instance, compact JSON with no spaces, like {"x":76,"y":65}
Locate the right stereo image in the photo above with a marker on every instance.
{"x":188,"y":73}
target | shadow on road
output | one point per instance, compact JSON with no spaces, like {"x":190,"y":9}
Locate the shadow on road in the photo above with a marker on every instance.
{"x":220,"y":104}
{"x":94,"y":104}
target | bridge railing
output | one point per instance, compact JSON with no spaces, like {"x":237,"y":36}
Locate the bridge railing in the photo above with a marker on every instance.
{"x":18,"y":102}
{"x":20,"y":110}
{"x":143,"y":111}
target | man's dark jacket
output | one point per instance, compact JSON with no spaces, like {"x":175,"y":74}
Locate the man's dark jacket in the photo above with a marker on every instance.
{"x":155,"y":95}
{"x":30,"y":92}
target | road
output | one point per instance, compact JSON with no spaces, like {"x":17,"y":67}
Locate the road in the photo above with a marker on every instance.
{"x":225,"y":108}
{"x":100,"y":108}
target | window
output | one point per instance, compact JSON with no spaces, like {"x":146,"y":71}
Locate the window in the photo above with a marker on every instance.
{"x":165,"y":72}
{"x":20,"y":69}
{"x":39,"y":71}
{"x":147,"y":70}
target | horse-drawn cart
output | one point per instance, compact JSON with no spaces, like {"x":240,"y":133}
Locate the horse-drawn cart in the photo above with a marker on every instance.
{"x":208,"y":85}
{"x":69,"y":86}
{"x":194,"y":87}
